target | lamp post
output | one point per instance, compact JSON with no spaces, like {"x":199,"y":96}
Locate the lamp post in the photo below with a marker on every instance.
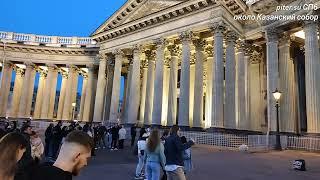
{"x":73,"y":110}
{"x":277,"y":95}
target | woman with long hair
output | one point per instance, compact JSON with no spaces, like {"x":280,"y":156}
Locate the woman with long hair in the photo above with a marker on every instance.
{"x":154,"y":156}
{"x":12,"y":147}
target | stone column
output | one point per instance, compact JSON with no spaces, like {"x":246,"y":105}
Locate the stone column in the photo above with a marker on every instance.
{"x":126,"y":110}
{"x":68,"y":100}
{"x":89,"y":99}
{"x":5,"y":88}
{"x":123,"y":105}
{"x":218,"y":77}
{"x":49,"y":93}
{"x":272,"y":75}
{"x":74,"y":93}
{"x":27,"y":83}
{"x":149,"y":90}
{"x":173,"y":83}
{"x":40,"y":90}
{"x":312,"y":66}
{"x":198,"y":87}
{"x":62,"y":94}
{"x":30,"y":93}
{"x":134,"y":90}
{"x":101,"y":85}
{"x":191,"y":89}
{"x":83,"y":95}
{"x":114,"y":106}
{"x":287,"y":102}
{"x":185,"y":80}
{"x":230,"y":101}
{"x":158,"y":83}
{"x":17,"y":89}
{"x":243,"y":121}
{"x":53,"y":91}
{"x":209,"y":81}
{"x":109,"y":86}
{"x":144,"y":68}
{"x":165,"y":93}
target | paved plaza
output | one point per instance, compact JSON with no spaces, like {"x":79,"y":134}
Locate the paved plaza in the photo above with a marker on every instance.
{"x":210,"y":164}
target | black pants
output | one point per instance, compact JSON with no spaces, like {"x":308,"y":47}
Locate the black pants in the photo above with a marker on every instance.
{"x":114,"y":143}
{"x":133,"y":138}
{"x":121,"y":141}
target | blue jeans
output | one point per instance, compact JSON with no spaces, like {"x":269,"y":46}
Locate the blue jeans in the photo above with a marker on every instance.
{"x":153,"y":170}
{"x":140,"y":165}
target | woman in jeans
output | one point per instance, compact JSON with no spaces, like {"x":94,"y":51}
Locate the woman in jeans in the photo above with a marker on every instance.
{"x":154,"y":155}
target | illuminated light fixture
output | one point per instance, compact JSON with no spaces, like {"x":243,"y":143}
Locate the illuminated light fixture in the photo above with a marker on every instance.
{"x":86,"y":70}
{"x":44,"y":68}
{"x":65,"y":69}
{"x":21,"y":66}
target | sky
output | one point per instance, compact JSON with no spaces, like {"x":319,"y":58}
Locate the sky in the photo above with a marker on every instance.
{"x":56,"y":18}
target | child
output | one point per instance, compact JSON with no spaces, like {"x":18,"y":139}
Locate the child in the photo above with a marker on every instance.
{"x":186,"y":155}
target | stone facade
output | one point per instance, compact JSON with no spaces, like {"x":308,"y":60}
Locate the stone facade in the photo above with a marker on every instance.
{"x":190,"y":63}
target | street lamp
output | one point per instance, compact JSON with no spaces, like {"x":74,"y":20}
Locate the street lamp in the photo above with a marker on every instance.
{"x":277,"y":95}
{"x":73,"y":110}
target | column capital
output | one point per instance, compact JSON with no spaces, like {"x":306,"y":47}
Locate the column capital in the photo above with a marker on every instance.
{"x":118,"y":53}
{"x":167,"y":61}
{"x":102,"y":57}
{"x":209,"y":50}
{"x":144,"y":63}
{"x":29,"y":64}
{"x":136,"y":49}
{"x":51,"y":67}
{"x":285,"y":40}
{"x":272,"y":34}
{"x":42,"y":73}
{"x":186,"y":36}
{"x":174,"y":49}
{"x":218,"y":27}
{"x":232,"y":36}
{"x":256,"y":57}
{"x":199,"y":44}
{"x":150,"y":54}
{"x":19,"y":71}
{"x":160,"y":42}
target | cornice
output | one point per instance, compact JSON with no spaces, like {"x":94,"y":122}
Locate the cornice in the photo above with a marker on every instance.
{"x":50,"y":50}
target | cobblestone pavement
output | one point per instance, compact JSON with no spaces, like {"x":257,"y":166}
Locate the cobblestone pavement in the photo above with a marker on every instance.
{"x":210,"y":164}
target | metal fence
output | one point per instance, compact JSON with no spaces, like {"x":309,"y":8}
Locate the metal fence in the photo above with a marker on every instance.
{"x":234,"y":141}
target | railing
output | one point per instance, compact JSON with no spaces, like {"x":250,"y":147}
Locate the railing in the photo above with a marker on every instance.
{"x":304,"y":143}
{"x":31,"y":38}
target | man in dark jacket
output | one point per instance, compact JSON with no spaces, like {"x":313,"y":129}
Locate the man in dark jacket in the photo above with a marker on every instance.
{"x":173,"y":151}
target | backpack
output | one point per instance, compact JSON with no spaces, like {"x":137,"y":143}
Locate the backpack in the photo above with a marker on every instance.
{"x":299,"y":165}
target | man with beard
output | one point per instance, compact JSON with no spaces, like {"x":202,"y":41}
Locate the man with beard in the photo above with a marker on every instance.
{"x":73,"y":156}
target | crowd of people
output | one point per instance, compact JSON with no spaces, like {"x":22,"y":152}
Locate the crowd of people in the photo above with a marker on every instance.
{"x":170,"y":152}
{"x":66,"y":149}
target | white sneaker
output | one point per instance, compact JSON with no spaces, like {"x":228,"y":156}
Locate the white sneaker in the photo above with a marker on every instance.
{"x":115,"y":149}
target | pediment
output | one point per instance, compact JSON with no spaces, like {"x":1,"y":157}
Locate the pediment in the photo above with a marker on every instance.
{"x":150,"y":7}
{"x":133,"y":10}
